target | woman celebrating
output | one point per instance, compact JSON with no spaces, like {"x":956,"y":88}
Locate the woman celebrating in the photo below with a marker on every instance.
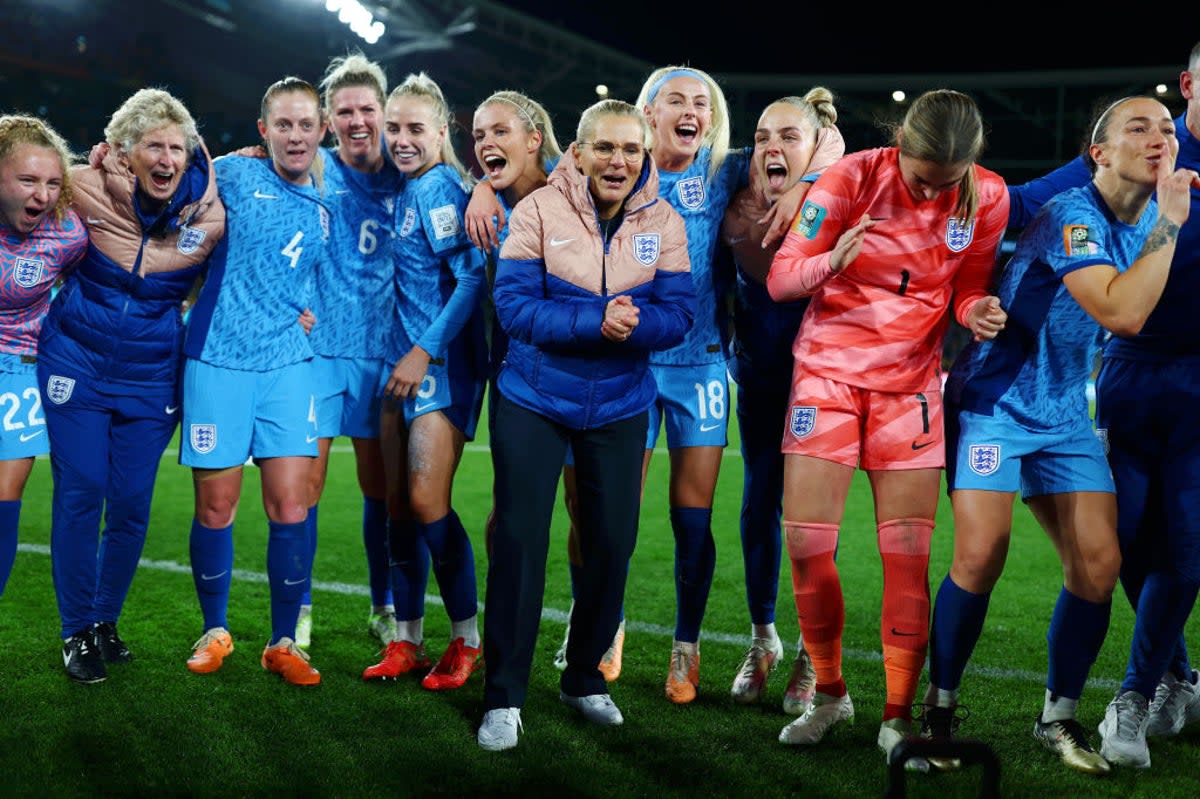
{"x":352,"y":296}
{"x":434,"y":392}
{"x":248,"y":383}
{"x":39,"y":237}
{"x":592,"y":277}
{"x":886,"y":239}
{"x":515,"y":145}
{"x":1019,"y":417}
{"x":108,"y":359}
{"x":795,"y":141}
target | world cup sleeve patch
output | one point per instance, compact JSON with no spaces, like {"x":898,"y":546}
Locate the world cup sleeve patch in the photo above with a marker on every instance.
{"x":808,"y":221}
{"x":1077,"y":240}
{"x":444,"y":221}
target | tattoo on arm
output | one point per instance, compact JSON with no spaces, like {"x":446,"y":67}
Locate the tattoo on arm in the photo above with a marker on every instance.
{"x":1163,"y":233}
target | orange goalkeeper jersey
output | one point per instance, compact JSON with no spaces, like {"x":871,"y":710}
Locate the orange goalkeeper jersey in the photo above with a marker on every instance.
{"x":880,"y":322}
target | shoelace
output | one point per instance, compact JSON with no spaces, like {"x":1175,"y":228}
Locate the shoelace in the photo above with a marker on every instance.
{"x":679,"y":665}
{"x":511,"y":718}
{"x":204,"y":641}
{"x":1072,"y":730}
{"x":943,"y":727}
{"x":1169,"y":697}
{"x":1129,"y":716}
{"x":754,"y":655}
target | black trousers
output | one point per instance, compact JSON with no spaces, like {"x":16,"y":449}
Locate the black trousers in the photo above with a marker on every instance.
{"x":527,"y":454}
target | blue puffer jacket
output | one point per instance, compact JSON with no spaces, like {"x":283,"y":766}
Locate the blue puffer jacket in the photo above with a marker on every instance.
{"x":556,"y":276}
{"x":118,"y":321}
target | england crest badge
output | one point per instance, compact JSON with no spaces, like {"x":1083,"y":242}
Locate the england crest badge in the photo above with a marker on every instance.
{"x":984,"y":458}
{"x":203,"y":438}
{"x":410,"y":222}
{"x":58,"y":389}
{"x":691,"y":193}
{"x":959,"y":234}
{"x":802,"y":420}
{"x":189,"y":240}
{"x":27,"y":272}
{"x":645,"y":248}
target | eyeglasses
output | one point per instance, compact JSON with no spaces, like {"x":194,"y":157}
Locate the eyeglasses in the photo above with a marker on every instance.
{"x":605,"y":150}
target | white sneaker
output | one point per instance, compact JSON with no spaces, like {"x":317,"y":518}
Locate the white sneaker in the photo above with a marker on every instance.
{"x":802,"y":684}
{"x":823,"y":713}
{"x":1175,"y":705}
{"x":892,"y":732}
{"x":1123,"y":731}
{"x":596,"y":708}
{"x":761,"y":659}
{"x":304,"y":627}
{"x":382,"y":626}
{"x":499,"y":728}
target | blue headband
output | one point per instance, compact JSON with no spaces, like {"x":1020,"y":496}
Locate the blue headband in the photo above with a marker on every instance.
{"x":675,"y":73}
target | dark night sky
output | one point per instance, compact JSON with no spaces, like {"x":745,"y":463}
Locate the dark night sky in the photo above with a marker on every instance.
{"x":795,"y":41}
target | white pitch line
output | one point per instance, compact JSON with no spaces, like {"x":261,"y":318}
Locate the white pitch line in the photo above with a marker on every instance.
{"x":561,"y":617}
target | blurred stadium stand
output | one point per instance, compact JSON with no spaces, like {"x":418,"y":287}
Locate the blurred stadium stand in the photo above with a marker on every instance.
{"x":74,"y":61}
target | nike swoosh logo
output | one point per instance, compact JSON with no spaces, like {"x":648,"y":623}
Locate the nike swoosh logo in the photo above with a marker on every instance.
{"x":93,"y":221}
{"x":705,"y":428}
{"x":293,"y":582}
{"x":342,"y":191}
{"x":906,"y":635}
{"x":731,"y":242}
{"x":309,"y":439}
{"x":418,"y":407}
{"x":215,"y":576}
{"x":916,"y":446}
{"x":27,"y":436}
{"x":170,"y":409}
{"x":67,"y":659}
{"x":560,"y":242}
{"x":258,"y":195}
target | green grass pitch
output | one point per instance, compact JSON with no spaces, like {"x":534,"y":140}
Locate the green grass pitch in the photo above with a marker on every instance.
{"x":156,"y":729}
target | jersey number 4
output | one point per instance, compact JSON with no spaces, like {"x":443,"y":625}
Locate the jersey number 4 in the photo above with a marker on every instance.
{"x":293,"y":248}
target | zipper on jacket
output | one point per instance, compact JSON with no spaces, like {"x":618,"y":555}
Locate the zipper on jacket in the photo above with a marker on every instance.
{"x":137,"y":263}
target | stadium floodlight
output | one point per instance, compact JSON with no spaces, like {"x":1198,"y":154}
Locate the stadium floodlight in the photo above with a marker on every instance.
{"x":1160,"y":89}
{"x":359,"y":19}
{"x":601,"y":90}
{"x":898,"y":96}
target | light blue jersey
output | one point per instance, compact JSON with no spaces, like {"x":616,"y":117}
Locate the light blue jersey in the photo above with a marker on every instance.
{"x":261,"y":276}
{"x":439,"y":274}
{"x":701,"y":202}
{"x":1037,"y":369}
{"x":355,"y":292}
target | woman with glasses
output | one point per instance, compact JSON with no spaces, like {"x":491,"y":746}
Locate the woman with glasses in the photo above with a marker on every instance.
{"x":592,"y":277}
{"x":689,"y":126}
